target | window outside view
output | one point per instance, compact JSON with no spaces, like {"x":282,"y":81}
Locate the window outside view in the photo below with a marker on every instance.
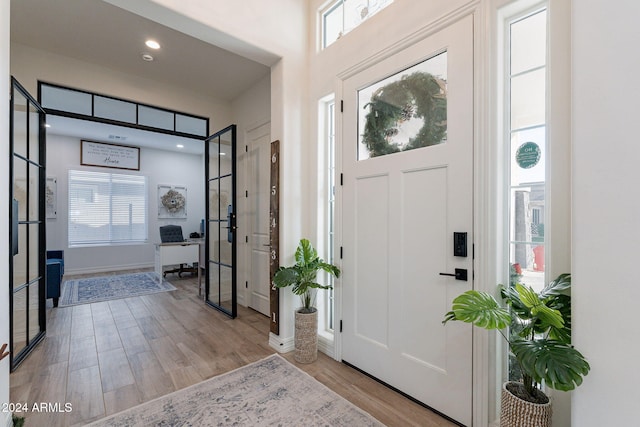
{"x":106,"y":208}
{"x":527,"y":128}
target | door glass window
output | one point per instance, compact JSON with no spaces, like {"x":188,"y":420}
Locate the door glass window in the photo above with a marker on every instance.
{"x":405,"y":111}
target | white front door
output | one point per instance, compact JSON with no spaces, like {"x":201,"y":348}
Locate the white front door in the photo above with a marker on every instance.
{"x":400,"y":211}
{"x":259,"y":164}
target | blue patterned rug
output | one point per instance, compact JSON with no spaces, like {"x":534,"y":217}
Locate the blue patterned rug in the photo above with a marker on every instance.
{"x":104,"y":288}
{"x":269,"y":392}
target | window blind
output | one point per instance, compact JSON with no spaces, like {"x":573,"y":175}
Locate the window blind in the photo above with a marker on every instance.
{"x":107,"y":208}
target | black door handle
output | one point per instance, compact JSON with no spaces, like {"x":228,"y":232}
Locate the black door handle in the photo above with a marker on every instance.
{"x":460,"y":274}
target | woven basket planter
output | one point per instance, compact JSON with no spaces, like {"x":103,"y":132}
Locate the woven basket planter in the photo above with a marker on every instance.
{"x":306,"y":337}
{"x":515,"y":412}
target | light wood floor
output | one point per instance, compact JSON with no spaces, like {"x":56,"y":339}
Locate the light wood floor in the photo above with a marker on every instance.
{"x":105,"y":357}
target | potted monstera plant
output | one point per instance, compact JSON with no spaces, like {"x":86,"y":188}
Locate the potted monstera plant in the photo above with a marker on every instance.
{"x":539,"y":339}
{"x":302,"y":277}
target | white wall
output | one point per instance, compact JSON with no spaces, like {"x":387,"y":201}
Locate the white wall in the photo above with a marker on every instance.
{"x":160,"y":167}
{"x":606,"y":209}
{"x":5,"y":418}
{"x":253,"y":106}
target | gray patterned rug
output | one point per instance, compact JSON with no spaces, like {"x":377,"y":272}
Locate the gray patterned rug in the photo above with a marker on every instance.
{"x":270,"y":392}
{"x":104,"y":288}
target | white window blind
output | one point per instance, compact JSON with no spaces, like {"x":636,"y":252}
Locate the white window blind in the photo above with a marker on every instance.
{"x":107,"y":208}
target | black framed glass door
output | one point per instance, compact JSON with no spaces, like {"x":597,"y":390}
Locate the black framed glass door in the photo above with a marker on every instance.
{"x":220,"y":241}
{"x":26,"y":223}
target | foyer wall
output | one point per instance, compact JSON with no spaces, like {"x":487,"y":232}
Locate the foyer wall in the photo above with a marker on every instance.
{"x":606,"y":209}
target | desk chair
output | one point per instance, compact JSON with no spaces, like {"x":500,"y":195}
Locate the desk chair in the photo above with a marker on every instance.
{"x":173,"y":234}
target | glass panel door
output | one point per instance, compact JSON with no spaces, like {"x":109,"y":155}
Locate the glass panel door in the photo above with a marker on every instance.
{"x":27,"y":223}
{"x":220,"y":242}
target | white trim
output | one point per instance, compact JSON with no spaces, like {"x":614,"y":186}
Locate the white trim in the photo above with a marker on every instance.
{"x":326,"y":345}
{"x":484,"y":208}
{"x":8,"y":419}
{"x":281,"y":345}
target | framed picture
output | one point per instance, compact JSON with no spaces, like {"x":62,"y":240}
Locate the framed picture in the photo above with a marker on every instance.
{"x":172,"y":201}
{"x":109,"y":155}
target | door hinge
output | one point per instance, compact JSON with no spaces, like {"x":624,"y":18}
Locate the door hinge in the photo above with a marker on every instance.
{"x":341,"y":106}
{"x":341,"y":179}
{"x":340,"y":325}
{"x":473,"y":251}
{"x":340,"y":252}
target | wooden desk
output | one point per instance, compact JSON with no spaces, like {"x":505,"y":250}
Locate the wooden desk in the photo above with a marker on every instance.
{"x":176,"y":253}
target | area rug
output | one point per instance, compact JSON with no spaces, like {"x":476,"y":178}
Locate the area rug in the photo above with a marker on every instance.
{"x":270,"y":392}
{"x":104,"y":288}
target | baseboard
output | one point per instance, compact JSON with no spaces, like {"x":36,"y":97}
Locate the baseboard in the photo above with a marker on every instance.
{"x":326,"y":346}
{"x":106,"y":269}
{"x":280,"y":345}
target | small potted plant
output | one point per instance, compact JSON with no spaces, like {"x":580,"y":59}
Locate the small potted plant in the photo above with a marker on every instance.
{"x":539,"y":340}
{"x":302,"y":277}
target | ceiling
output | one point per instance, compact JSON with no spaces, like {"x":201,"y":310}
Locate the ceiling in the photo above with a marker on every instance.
{"x":101,"y":33}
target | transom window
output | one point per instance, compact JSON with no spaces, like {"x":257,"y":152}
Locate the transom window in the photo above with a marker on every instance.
{"x":342,"y":16}
{"x":106,"y":208}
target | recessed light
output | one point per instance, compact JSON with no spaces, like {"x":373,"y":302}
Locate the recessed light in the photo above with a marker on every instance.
{"x":180,"y":146}
{"x":152,"y":44}
{"x":47,"y":125}
{"x":147,"y":57}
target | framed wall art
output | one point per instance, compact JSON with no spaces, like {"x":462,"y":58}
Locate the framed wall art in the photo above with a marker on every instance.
{"x":172,"y":201}
{"x":109,"y":155}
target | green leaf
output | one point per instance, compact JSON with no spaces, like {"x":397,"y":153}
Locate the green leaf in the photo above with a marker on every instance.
{"x":538,"y":309}
{"x":305,"y":253}
{"x":331,"y":269}
{"x":480,"y":309}
{"x":560,"y":286}
{"x":285,"y":277}
{"x":561,"y":366}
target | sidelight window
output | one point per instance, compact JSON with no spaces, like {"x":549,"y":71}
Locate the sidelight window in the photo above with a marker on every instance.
{"x":525,"y":70}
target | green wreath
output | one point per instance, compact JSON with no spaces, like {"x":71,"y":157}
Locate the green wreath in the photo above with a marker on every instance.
{"x":419,"y":95}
